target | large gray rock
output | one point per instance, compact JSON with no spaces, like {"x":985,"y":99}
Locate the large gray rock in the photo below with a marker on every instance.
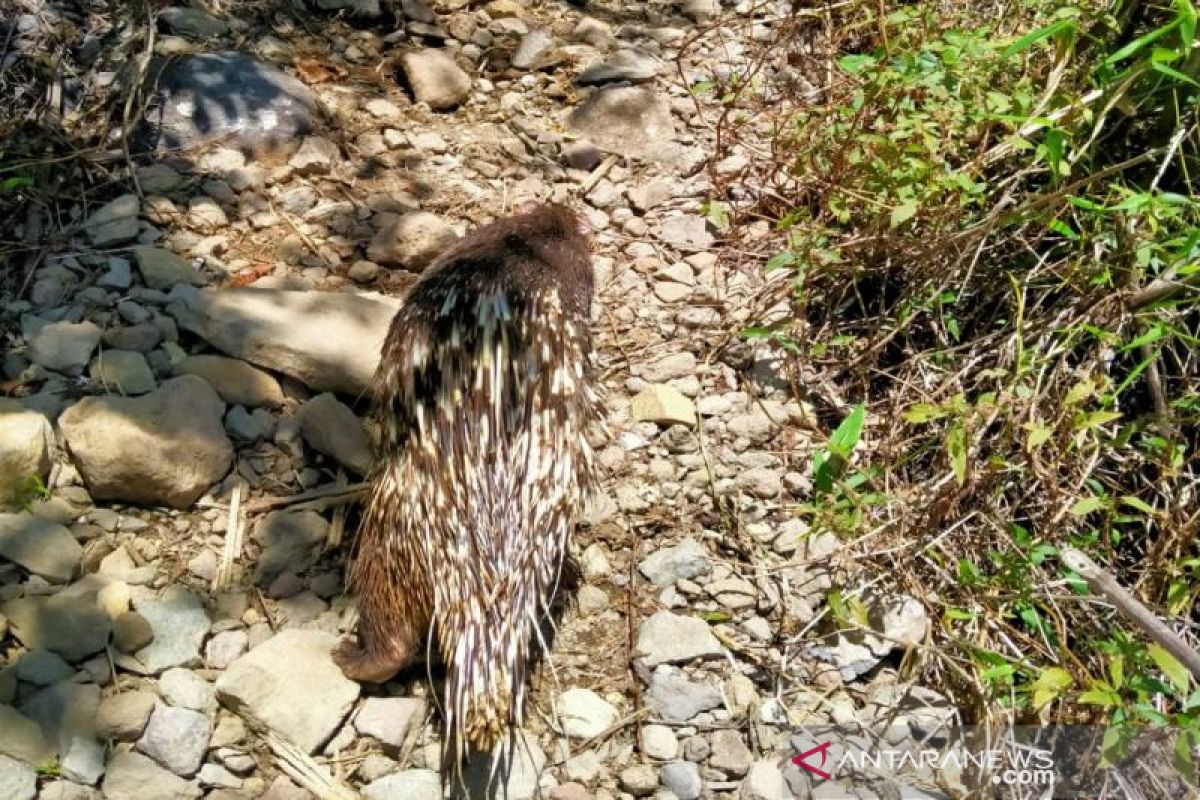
{"x":61,"y":346}
{"x":70,"y":624}
{"x":237,"y":382}
{"x":26,"y":448}
{"x":231,"y":96}
{"x":436,"y":79}
{"x":180,"y":624}
{"x":39,"y":545}
{"x":133,"y":776}
{"x":667,"y":638}
{"x":18,"y":781}
{"x":412,"y":240}
{"x":331,"y":428}
{"x":625,"y":119}
{"x":163,"y":448}
{"x":162,"y":269}
{"x":176,"y":738}
{"x":291,"y":684}
{"x":122,"y":372}
{"x":329,"y":340}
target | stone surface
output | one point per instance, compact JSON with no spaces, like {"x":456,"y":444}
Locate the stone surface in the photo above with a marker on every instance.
{"x":176,"y":433}
{"x":69,"y":624}
{"x":21,"y":738}
{"x":122,"y":372}
{"x":436,"y":79}
{"x":18,"y":781}
{"x":389,"y":719}
{"x":237,"y":382}
{"x":26,"y":449}
{"x":43,"y":547}
{"x":291,"y":683}
{"x":299,"y":333}
{"x":667,"y":638}
{"x":411,"y":784}
{"x":63,"y":346}
{"x":764,"y":781}
{"x":180,"y":623}
{"x":331,"y":428}
{"x":162,"y":269}
{"x":626,"y":119}
{"x":583,"y":714}
{"x":192,"y":22}
{"x":682,"y":779}
{"x":664,"y":405}
{"x":685,"y":561}
{"x":176,"y":738}
{"x":123,"y":716}
{"x":289,"y":542}
{"x":231,"y":96}
{"x":674,"y":698}
{"x":114,"y":222}
{"x":133,"y":776}
{"x":412,"y":240}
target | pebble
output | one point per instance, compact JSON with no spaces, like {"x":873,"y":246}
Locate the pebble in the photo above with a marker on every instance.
{"x":185,"y":689}
{"x":180,"y":624}
{"x":685,"y":561}
{"x":389,"y":719}
{"x":659,"y":742}
{"x":639,"y":780}
{"x":18,"y":781}
{"x":583,"y":714}
{"x":237,"y":382}
{"x":330,"y":427}
{"x":123,"y":716}
{"x":43,"y":547}
{"x":674,"y":698}
{"x":122,"y":372}
{"x":133,"y":776}
{"x":671,"y":638}
{"x":682,"y":778}
{"x":62,"y":346}
{"x":436,"y":79}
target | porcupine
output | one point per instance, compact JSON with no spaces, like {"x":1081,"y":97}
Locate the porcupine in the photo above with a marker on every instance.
{"x":482,"y":397}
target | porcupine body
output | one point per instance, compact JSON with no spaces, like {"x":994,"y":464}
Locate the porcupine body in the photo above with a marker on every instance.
{"x":482,"y":397}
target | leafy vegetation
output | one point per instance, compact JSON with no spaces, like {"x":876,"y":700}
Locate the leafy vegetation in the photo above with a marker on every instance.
{"x":993,"y":243}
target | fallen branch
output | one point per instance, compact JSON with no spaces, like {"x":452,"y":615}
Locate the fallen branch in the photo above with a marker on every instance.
{"x":1106,"y":585}
{"x":314,"y":499}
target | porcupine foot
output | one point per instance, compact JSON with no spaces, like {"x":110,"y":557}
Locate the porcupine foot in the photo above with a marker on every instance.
{"x":370,"y":663}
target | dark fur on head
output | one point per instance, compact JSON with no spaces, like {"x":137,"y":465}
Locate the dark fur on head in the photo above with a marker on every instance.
{"x":482,"y":397}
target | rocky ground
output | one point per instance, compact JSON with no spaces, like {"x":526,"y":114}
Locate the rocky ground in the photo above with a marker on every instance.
{"x":190,"y":354}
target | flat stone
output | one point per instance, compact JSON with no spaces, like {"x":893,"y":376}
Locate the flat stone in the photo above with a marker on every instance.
{"x":331,"y":428}
{"x":184,"y":688}
{"x":114,"y":222}
{"x":123,"y":372}
{"x":177,"y":738}
{"x":584,"y":714}
{"x":68,"y":624}
{"x":659,"y":742}
{"x":674,"y":698}
{"x":162,"y":269}
{"x":330,"y":341}
{"x":133,"y":776}
{"x":764,"y":781}
{"x":436,"y":79}
{"x":685,"y":561}
{"x":682,"y":779}
{"x":686,"y":232}
{"x":237,"y":382}
{"x":26,"y":450}
{"x":410,"y":784}
{"x":22,"y":738}
{"x":627,"y":66}
{"x":667,"y":638}
{"x":316,"y":156}
{"x":176,"y":433}
{"x":535,"y":51}
{"x":730,"y":754}
{"x":389,"y":719}
{"x":180,"y":624}
{"x":675,"y":365}
{"x":18,"y":781}
{"x":63,"y":346}
{"x":664,"y":405}
{"x":633,"y":120}
{"x":291,"y":684}
{"x":227,"y":96}
{"x":123,"y":716}
{"x":43,"y":668}
{"x":192,"y":22}
{"x":66,"y":713}
{"x":290,"y":541}
{"x":412,"y":241}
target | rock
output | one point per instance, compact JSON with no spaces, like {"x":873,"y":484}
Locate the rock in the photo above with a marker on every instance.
{"x":83,"y":760}
{"x":730,"y":754}
{"x":205,"y":215}
{"x":63,"y":346}
{"x":331,"y":428}
{"x":67,"y":790}
{"x":674,"y":698}
{"x":118,"y":276}
{"x":139,"y":338}
{"x":361,"y":8}
{"x":235,"y":381}
{"x":114,"y":222}
{"x":225,"y":648}
{"x":686,"y":232}
{"x":903,"y":621}
{"x":412,"y":241}
{"x":177,"y":738}
{"x":685,"y":561}
{"x":159,"y":178}
{"x":664,"y":405}
{"x":760,"y":482}
{"x":230,"y":96}
{"x":133,"y":776}
{"x":123,"y":716}
{"x":534,"y":50}
{"x":389,"y":719}
{"x":42,"y":668}
{"x":410,"y":784}
{"x":517,"y":779}
{"x":26,"y":450}
{"x":213,"y":775}
{"x":647,"y":196}
{"x":659,"y":742}
{"x":162,"y":269}
{"x":291,"y":684}
{"x":69,"y":624}
{"x":18,"y":781}
{"x":584,"y":714}
{"x":176,"y":433}
{"x":764,"y":781}
{"x":303,"y":334}
{"x":289,"y":540}
{"x":316,"y":156}
{"x":582,"y":155}
{"x":436,"y":79}
{"x":21,"y":738}
{"x":627,"y":66}
{"x":245,"y":426}
{"x":639,"y":780}
{"x":122,"y":372}
{"x":363,"y":271}
{"x":667,"y":638}
{"x":180,"y":624}
{"x":66,"y":713}
{"x":682,"y":778}
{"x":633,"y":120}
{"x":183,"y":688}
{"x":701,"y":10}
{"x":676,"y":365}
{"x":192,"y":22}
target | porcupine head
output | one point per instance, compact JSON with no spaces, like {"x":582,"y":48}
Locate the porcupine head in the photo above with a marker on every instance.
{"x":483,"y":395}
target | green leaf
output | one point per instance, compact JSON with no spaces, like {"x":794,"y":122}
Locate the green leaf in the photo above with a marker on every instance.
{"x":848,"y":432}
{"x":1095,"y":419}
{"x":781,"y":260}
{"x":1176,"y":673}
{"x":1100,"y":694}
{"x":1038,"y":435}
{"x":956,"y":448}
{"x":1173,"y":73}
{"x":1140,"y":42}
{"x":1049,"y":685}
{"x":857,"y":64}
{"x":923,"y":412}
{"x":1036,"y":36}
{"x":1086,"y":506}
{"x":903,"y":212}
{"x":1139,"y":504}
{"x":715,"y":616}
